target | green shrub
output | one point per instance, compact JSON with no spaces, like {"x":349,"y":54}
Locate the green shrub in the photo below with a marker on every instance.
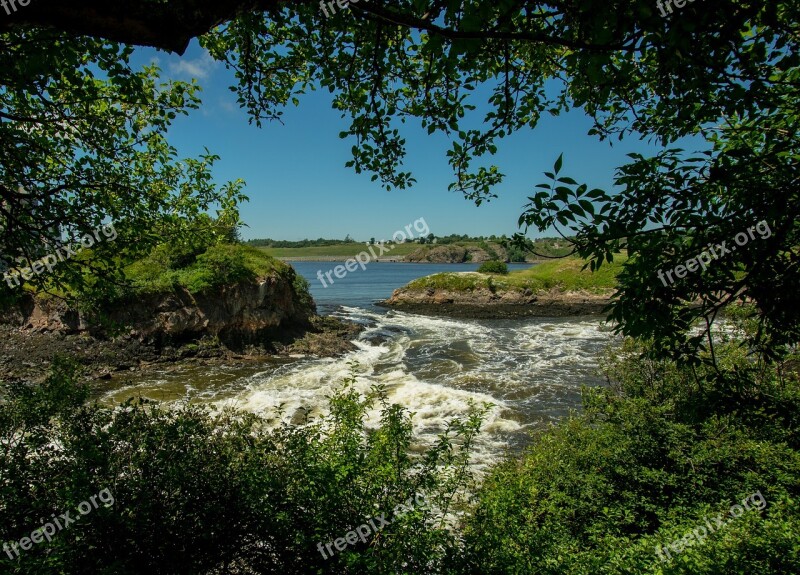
{"x":643,"y":466}
{"x":516,"y":254}
{"x":199,"y":493}
{"x":302,"y":293}
{"x":493,"y":267}
{"x":218,"y":265}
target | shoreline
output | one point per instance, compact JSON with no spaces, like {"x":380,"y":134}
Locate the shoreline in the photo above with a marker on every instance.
{"x":544,"y":307}
{"x":27,"y":354}
{"x":489,"y":302}
{"x":324,"y":259}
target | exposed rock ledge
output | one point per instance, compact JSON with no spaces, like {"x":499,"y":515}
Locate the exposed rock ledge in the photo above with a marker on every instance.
{"x":482,"y":302}
{"x":239,"y":321}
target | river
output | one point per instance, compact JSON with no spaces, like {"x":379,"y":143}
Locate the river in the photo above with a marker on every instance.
{"x":531,"y":370}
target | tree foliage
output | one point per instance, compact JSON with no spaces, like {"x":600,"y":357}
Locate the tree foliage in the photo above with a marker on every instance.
{"x":722,"y":73}
{"x":83,"y":139}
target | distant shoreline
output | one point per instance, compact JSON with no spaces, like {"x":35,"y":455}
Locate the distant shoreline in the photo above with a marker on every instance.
{"x":379,"y":260}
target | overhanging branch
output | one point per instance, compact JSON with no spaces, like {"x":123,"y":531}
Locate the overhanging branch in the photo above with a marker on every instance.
{"x":167,"y":25}
{"x":173,"y":24}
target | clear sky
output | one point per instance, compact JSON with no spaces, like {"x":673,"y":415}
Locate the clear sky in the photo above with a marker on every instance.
{"x":299,"y":187}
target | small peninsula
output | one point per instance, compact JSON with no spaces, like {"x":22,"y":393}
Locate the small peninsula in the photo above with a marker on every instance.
{"x":223,"y":303}
{"x":552,"y":289}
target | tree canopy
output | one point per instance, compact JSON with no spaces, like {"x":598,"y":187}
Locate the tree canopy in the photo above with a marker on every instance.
{"x":79,"y":126}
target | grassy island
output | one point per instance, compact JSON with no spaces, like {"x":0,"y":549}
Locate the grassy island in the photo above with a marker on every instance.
{"x":555,"y":288}
{"x":564,"y":275}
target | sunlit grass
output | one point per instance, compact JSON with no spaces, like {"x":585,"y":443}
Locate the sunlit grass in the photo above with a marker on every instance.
{"x":219,"y":265}
{"x":564,"y":274}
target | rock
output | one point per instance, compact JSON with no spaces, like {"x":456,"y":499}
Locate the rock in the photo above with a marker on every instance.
{"x":482,"y":302}
{"x":249,"y":319}
{"x":449,"y":254}
{"x":494,"y":252}
{"x":456,"y":254}
{"x":246,"y":312}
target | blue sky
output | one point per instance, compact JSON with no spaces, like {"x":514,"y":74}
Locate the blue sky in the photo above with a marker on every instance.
{"x":299,"y":187}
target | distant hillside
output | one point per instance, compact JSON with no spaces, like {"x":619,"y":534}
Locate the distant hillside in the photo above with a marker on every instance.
{"x":447,"y":249}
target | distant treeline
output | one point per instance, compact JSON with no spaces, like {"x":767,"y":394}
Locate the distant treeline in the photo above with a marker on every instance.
{"x":270,"y":243}
{"x":453,"y":238}
{"x":550,"y":247}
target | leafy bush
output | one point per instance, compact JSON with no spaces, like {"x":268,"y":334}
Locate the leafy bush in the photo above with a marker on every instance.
{"x":642,"y":467}
{"x":516,"y":254}
{"x":218,"y":265}
{"x":493,"y":267}
{"x":302,"y":293}
{"x":228,"y":492}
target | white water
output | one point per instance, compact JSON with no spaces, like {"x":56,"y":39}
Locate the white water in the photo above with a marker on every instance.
{"x":531,"y":370}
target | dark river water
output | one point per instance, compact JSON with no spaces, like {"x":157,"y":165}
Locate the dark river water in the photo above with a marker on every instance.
{"x":530,"y":370}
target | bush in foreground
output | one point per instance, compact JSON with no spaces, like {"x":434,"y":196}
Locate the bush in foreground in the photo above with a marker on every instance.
{"x":493,"y":267}
{"x":653,"y":458}
{"x":657,"y":454}
{"x":202,"y":493}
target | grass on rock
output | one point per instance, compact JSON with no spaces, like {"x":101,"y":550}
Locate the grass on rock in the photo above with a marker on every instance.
{"x":564,"y":275}
{"x":219,"y":265}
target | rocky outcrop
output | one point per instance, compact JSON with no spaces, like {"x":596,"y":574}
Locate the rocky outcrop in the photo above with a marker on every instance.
{"x":483,"y":302}
{"x":238,"y":321}
{"x":243,"y":313}
{"x":492,"y":252}
{"x":456,"y":254}
{"x":449,"y":254}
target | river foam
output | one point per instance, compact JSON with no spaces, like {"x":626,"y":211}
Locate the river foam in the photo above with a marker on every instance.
{"x":529,"y":370}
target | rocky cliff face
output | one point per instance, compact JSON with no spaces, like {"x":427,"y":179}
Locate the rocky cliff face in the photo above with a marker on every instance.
{"x":506,"y":303}
{"x":237,"y":322}
{"x":456,"y":254}
{"x":239,"y":314}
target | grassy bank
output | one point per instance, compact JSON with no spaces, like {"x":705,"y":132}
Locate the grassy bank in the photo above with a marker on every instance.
{"x":163,"y":271}
{"x":566,"y":275}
